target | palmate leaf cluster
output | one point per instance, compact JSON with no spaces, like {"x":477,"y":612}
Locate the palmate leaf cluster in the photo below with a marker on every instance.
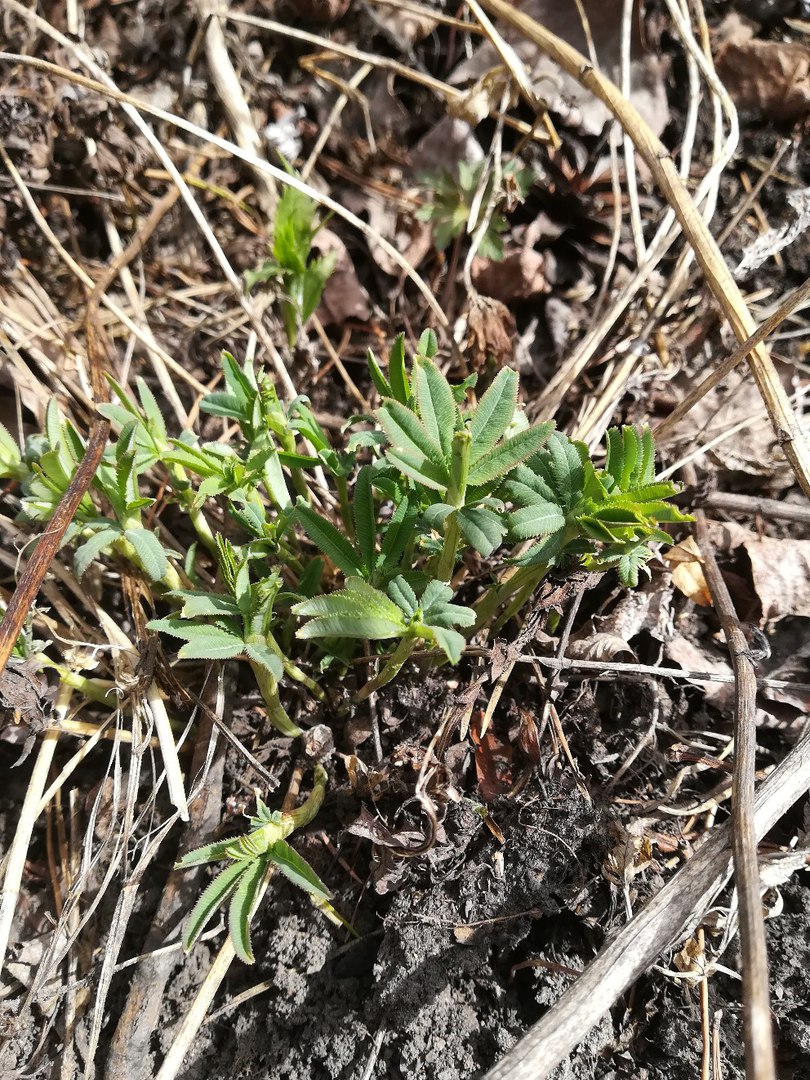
{"x":250,"y":858}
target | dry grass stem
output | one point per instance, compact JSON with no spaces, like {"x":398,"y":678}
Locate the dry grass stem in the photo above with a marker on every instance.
{"x":718,"y":275}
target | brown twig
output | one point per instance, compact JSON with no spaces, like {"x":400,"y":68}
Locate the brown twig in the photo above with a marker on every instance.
{"x":724,"y":369}
{"x":759,"y":1054}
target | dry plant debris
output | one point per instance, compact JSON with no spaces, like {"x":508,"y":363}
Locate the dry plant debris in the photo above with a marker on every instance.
{"x":521,"y":860}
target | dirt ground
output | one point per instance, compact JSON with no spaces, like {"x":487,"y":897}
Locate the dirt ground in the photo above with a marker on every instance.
{"x":547,"y":838}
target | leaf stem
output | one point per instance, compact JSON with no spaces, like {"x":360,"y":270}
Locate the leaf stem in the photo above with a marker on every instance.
{"x":276,"y":713}
{"x":391,"y":669}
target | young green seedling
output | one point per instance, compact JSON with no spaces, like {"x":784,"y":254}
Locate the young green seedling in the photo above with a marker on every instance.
{"x":251,"y":858}
{"x":300,"y":278}
{"x":219,"y":626}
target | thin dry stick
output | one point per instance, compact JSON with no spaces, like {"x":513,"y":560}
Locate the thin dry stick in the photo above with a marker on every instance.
{"x":759,"y":1056}
{"x":22,"y":837}
{"x":798,"y":297}
{"x":656,"y":927}
{"x":718,"y":275}
{"x":114,"y":94}
{"x":229,"y":90}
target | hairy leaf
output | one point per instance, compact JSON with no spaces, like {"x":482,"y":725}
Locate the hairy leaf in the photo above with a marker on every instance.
{"x":298,"y":870}
{"x":508,"y":454}
{"x":150,"y":553}
{"x":396,"y":371}
{"x":482,"y":529}
{"x":450,"y":642}
{"x":241,"y":909}
{"x":217,"y":894}
{"x":328,"y":540}
{"x":265,"y":657}
{"x":494,"y":413}
{"x":408,"y":435}
{"x":437,"y":407}
{"x":365,"y":523}
{"x":92,"y":548}
{"x":538,"y":519}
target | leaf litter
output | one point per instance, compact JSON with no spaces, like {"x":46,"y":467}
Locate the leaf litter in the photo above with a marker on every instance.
{"x":468,"y":940}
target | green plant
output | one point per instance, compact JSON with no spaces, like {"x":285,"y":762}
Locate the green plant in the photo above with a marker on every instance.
{"x":456,"y":203}
{"x":251,"y":858}
{"x":430,"y":520}
{"x":299,"y":278}
{"x":362,"y":612}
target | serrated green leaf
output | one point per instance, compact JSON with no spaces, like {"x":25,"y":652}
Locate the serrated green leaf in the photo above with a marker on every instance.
{"x":223,"y":403}
{"x":397,"y":533}
{"x":151,"y":410}
{"x":436,"y":515}
{"x":408,"y":436}
{"x":538,"y":519}
{"x":566,"y":469}
{"x":373,"y":627}
{"x":92,"y":548}
{"x":396,"y":371}
{"x":358,"y":597}
{"x":436,"y":592}
{"x":543,"y":553}
{"x":298,"y":870}
{"x":215,"y":645}
{"x":365,"y":523}
{"x":428,"y":344}
{"x":420,"y":469}
{"x":494,"y":413}
{"x":265,"y":657}
{"x":217,"y":894}
{"x":206,"y":854}
{"x":197,"y":603}
{"x":150,"y":553}
{"x":241,"y":909}
{"x":451,"y":642}
{"x":382,"y":385}
{"x":328,"y":540}
{"x":646,"y":464}
{"x":403,"y":595}
{"x":436,"y":404}
{"x":509,"y":453}
{"x":482,"y":529}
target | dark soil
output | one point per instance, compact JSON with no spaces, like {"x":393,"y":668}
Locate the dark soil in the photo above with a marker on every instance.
{"x":459,"y":950}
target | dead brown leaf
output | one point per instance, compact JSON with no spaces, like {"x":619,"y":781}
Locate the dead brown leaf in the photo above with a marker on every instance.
{"x":686,"y":563}
{"x":490,"y":332}
{"x":344,"y":298}
{"x":769,"y":78}
{"x":520,"y":275}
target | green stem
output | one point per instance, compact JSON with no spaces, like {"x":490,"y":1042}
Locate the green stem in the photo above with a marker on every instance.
{"x":185,"y":495}
{"x":391,"y":669}
{"x":292,"y":669}
{"x":447,"y":558}
{"x":456,"y":493}
{"x":303,"y":814}
{"x":276,"y":712}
